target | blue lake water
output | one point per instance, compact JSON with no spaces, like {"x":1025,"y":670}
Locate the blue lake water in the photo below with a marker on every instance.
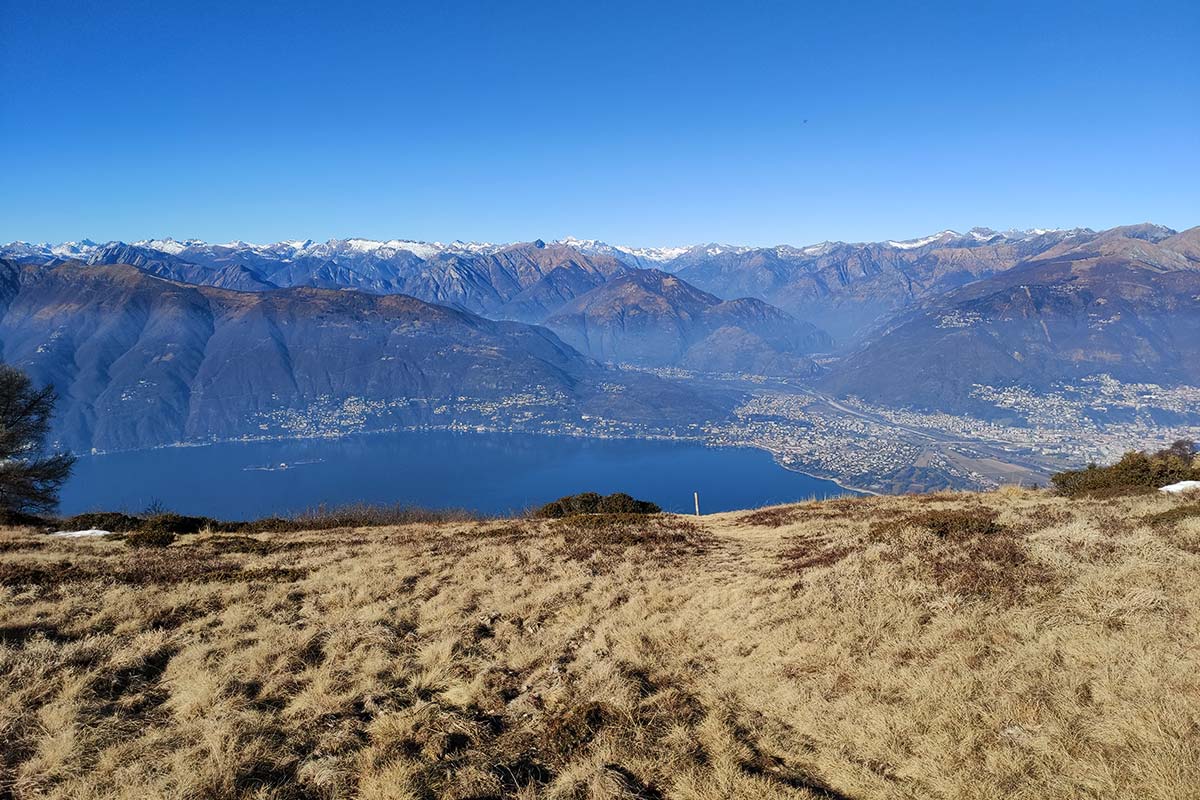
{"x":491,"y":473}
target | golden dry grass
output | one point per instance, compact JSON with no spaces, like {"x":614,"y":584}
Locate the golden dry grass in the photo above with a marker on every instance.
{"x":1005,"y":645}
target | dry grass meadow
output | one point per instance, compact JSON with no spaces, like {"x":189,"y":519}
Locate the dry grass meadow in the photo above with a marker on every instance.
{"x":1005,"y":645}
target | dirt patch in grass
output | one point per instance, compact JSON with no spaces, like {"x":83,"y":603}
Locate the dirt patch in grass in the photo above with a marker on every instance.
{"x":567,"y":733}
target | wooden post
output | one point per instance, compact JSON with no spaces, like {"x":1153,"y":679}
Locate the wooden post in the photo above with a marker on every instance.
{"x":696,"y":496}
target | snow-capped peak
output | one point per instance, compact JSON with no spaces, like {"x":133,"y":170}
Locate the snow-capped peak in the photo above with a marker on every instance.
{"x":910,"y":244}
{"x":168,"y":245}
{"x":638,"y":254}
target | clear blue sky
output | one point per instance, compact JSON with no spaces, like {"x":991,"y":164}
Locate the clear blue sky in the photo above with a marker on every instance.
{"x":641,"y":122}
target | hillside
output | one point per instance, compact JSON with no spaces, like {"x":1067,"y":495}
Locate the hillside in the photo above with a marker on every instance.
{"x":1013,"y":644}
{"x":652,"y":318}
{"x":1125,"y":303}
{"x":139,"y":361}
{"x":848,"y":289}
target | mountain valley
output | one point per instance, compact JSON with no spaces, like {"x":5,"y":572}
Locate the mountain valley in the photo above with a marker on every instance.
{"x":952,"y":360}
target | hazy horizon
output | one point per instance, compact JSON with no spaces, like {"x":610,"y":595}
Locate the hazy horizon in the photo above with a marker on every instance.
{"x":567,"y":238}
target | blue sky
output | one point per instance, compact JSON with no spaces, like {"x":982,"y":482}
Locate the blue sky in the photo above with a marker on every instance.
{"x":641,"y":123}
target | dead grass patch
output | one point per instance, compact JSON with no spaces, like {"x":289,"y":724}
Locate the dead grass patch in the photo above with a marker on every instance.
{"x":775,"y":517}
{"x":962,"y":647}
{"x":1174,"y":515}
{"x":803,"y":554}
{"x":608,"y":540}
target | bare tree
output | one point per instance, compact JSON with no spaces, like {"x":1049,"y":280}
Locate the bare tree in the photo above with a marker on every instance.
{"x":29,"y":476}
{"x":1183,"y":448}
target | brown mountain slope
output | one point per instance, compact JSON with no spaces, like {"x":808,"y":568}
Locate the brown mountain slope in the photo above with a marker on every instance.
{"x":139,"y":361}
{"x":652,"y":318}
{"x":1120,"y":304}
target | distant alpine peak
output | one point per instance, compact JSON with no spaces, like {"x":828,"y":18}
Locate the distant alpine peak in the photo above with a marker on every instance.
{"x":668,"y":258}
{"x":911,"y":244}
{"x":597,"y":247}
{"x":168,"y":245}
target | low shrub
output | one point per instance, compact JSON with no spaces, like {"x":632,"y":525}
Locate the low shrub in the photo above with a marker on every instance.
{"x":17,"y":519}
{"x":179,"y":523}
{"x":112,"y":521}
{"x":606,"y":535}
{"x":150,"y":537}
{"x":593,"y":503}
{"x":957,"y":523}
{"x":235,"y":543}
{"x":1174,"y":515}
{"x":1135,"y":472}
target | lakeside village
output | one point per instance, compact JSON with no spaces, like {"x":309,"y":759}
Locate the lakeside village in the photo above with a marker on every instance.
{"x":1093,"y":420}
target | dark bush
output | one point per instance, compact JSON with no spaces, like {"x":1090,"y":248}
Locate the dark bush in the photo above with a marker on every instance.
{"x":1135,"y":472}
{"x":235,"y":543}
{"x":621,"y":503}
{"x":1174,"y":515}
{"x":150,"y":537}
{"x":265,"y":525}
{"x":19,"y":519}
{"x":178,"y":523}
{"x":593,"y":503}
{"x":112,"y":521}
{"x":956,"y":523}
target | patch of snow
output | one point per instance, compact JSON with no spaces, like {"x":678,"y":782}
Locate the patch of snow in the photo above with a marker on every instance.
{"x":597,"y":247}
{"x":1181,"y":487}
{"x":167,"y":245}
{"x":910,"y":244}
{"x":73,"y":249}
{"x":80,"y":534}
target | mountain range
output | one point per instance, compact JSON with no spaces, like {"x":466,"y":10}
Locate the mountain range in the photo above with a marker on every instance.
{"x":161,"y":340}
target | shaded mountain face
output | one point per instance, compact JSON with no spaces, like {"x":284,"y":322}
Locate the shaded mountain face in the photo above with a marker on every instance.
{"x":651,"y":318}
{"x":139,"y":361}
{"x":848,"y":289}
{"x":1124,"y":303}
{"x":530,"y":282}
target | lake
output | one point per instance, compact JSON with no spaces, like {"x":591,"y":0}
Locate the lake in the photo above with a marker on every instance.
{"x":493,"y":473}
